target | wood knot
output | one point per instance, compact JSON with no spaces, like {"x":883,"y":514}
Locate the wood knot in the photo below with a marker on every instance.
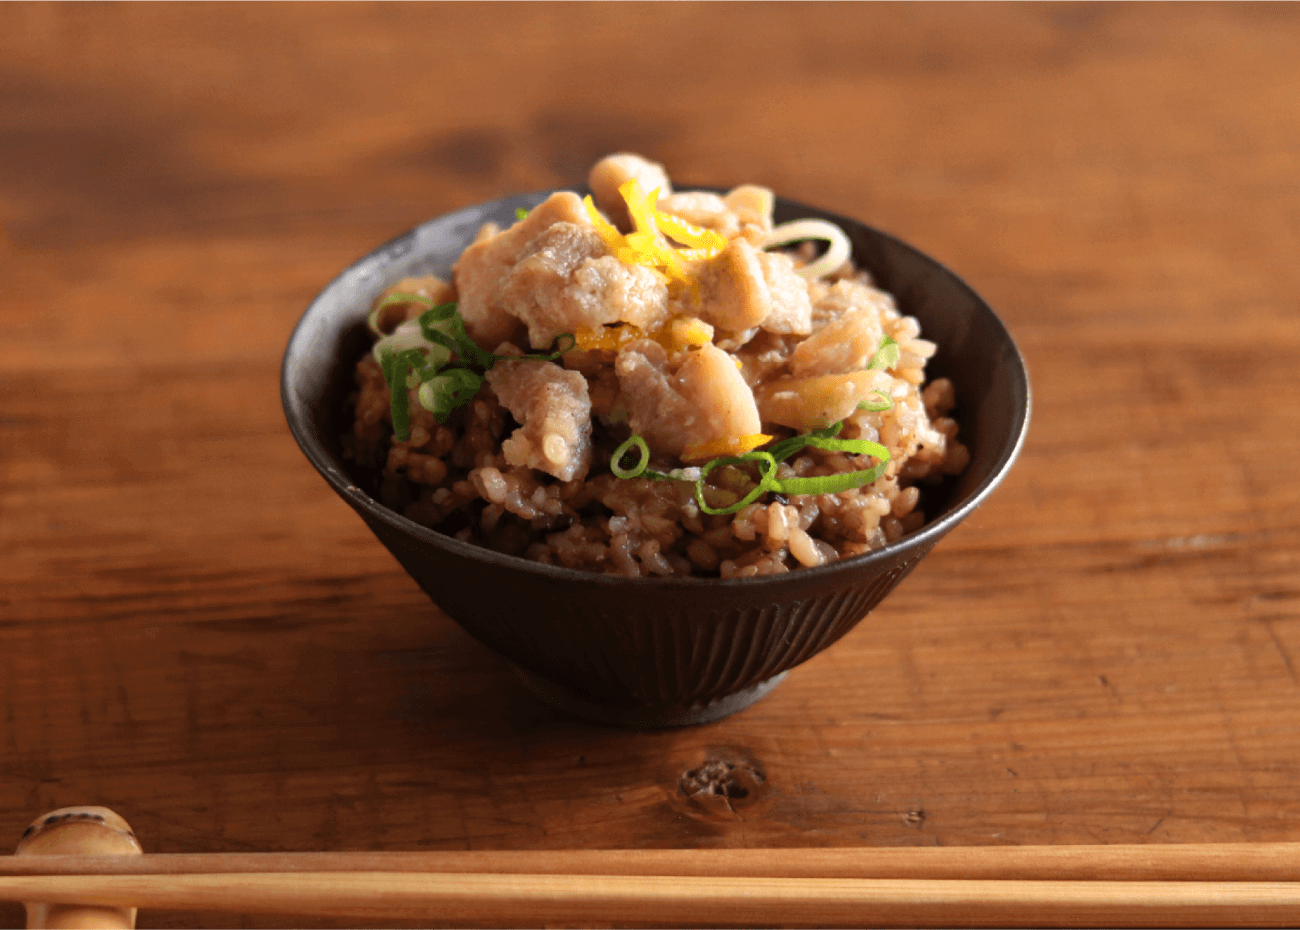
{"x":915,"y":817}
{"x":716,"y":777}
{"x":724,"y":783}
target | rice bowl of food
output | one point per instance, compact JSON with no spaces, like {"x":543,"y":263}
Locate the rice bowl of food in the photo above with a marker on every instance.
{"x":655,"y":446}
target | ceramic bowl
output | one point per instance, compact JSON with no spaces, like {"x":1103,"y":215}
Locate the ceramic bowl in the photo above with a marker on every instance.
{"x":658,"y":651}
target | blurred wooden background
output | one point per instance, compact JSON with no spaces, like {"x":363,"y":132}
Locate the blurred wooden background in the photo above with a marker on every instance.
{"x":197,"y":633}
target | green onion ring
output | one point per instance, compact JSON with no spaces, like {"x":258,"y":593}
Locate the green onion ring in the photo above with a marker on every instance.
{"x":768,"y":462}
{"x":853,"y":446}
{"x":788,"y":447}
{"x":832,"y":484}
{"x":637,"y":470}
{"x":373,"y":319}
{"x":886,"y":356}
{"x":561,"y":346}
{"x":885,"y":403}
{"x":765,"y":484}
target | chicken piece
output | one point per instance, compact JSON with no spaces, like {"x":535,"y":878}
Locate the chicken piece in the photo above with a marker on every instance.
{"x":703,"y":209}
{"x":791,"y":312}
{"x":486,"y":231}
{"x":656,"y":409}
{"x":752,"y":206}
{"x":570,"y":284}
{"x":612,"y":171}
{"x":705,"y":400}
{"x":763,"y":357}
{"x":530,"y":291}
{"x":831,"y":302}
{"x":554,"y":410}
{"x":608,"y":290}
{"x":605,"y":394}
{"x":733,"y":294}
{"x":745,"y":287}
{"x":846,"y":344}
{"x":710,"y":379}
{"x":805,"y":404}
{"x":481,"y":269}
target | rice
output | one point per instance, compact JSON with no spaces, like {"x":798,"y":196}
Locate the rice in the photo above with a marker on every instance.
{"x":542,"y":488}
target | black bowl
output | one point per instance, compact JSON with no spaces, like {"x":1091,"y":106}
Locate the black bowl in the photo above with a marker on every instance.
{"x":657,"y":651}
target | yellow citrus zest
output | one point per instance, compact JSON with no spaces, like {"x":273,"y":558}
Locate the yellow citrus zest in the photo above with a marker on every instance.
{"x":647,"y":245}
{"x":640,"y":206}
{"x":606,"y":339}
{"x":727,"y":446}
{"x":683,"y":332}
{"x":613,"y":238}
{"x":688,"y":234}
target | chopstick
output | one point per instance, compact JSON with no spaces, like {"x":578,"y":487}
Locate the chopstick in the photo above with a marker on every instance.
{"x":1221,"y":862}
{"x":1227,"y":885}
{"x":684,"y":900}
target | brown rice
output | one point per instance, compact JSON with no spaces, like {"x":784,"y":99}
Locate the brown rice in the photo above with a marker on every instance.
{"x":456,"y":477}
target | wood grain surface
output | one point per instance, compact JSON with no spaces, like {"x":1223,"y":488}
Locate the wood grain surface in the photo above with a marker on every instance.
{"x":197,"y":633}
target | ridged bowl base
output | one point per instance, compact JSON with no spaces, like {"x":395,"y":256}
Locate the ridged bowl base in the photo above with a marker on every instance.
{"x":642,"y":717}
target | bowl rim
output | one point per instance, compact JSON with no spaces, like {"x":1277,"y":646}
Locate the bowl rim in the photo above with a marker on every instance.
{"x":297,"y":414}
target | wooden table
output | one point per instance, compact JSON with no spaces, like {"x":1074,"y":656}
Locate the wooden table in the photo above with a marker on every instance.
{"x":196,"y":632}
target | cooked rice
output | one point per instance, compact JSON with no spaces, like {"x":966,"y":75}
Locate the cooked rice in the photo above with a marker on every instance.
{"x":455,"y":476}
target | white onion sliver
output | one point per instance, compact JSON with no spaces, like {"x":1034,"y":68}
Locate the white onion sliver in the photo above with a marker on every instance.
{"x":408,"y":335}
{"x":798,"y":230}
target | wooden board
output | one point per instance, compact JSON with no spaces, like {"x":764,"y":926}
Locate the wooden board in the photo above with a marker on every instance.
{"x":197,"y":633}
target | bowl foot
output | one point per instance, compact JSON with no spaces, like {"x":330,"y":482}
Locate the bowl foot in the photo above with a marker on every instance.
{"x":642,"y":716}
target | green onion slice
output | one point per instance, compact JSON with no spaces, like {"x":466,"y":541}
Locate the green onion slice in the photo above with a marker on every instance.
{"x":788,"y":447}
{"x":521,"y":213}
{"x":565,"y":342}
{"x":767,"y":465}
{"x":410,"y":362}
{"x":448,"y":389}
{"x":884,"y":402}
{"x":833,"y":484}
{"x":444,"y":325}
{"x":417,"y":353}
{"x":395,"y":372}
{"x":392,"y":299}
{"x":886,"y":356}
{"x":408,"y":337}
{"x":767,"y":480}
{"x":637,"y":470}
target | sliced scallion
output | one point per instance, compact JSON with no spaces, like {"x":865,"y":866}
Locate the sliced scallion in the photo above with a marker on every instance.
{"x":447,"y":390}
{"x":637,"y":470}
{"x":886,"y":356}
{"x":877,"y":401}
{"x":833,"y":484}
{"x":444,"y":325}
{"x":565,"y":342}
{"x":392,"y":300}
{"x":765,"y":483}
{"x":768,"y":461}
{"x":408,"y":336}
{"x":417,"y":353}
{"x":395,"y":374}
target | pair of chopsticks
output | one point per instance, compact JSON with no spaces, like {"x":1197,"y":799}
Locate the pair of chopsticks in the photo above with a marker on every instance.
{"x":1220,"y":885}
